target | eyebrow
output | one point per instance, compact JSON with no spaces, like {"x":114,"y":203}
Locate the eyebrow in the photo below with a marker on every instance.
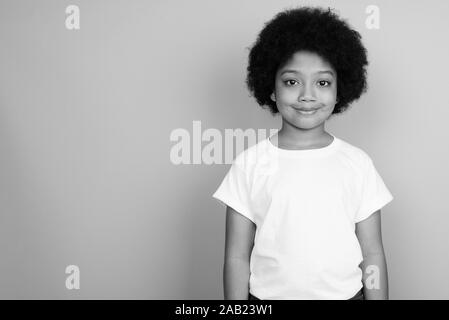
{"x":297,"y":71}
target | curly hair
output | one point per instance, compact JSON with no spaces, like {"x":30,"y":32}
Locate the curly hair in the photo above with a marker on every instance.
{"x":310,"y":29}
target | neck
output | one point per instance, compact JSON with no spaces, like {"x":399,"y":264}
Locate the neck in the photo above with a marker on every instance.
{"x":290,"y":135}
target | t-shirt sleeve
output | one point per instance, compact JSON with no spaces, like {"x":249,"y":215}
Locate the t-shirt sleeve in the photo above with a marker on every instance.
{"x":234,"y":192}
{"x":375,"y":193}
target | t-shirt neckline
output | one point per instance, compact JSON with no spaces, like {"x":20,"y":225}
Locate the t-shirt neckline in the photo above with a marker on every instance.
{"x":305,"y":152}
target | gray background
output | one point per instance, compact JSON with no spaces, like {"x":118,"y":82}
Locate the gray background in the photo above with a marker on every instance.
{"x":85,"y":121}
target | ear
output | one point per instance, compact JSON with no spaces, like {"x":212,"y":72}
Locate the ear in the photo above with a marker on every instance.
{"x":273,"y":97}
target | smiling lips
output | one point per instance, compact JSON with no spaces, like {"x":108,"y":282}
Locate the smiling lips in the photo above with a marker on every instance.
{"x":306,"y":111}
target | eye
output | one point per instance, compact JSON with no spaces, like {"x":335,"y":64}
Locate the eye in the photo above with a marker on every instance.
{"x":289,"y":82}
{"x":324,"y":83}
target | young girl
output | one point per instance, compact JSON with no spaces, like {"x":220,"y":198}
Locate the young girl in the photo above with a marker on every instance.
{"x":303,"y":206}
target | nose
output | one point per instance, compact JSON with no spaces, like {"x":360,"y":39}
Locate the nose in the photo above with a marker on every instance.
{"x":306,"y":93}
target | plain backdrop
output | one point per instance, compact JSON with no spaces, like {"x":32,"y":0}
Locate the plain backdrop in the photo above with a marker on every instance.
{"x":86,"y":115}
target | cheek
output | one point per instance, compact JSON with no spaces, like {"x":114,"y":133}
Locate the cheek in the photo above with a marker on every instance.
{"x":328,"y":94}
{"x":287,"y":96}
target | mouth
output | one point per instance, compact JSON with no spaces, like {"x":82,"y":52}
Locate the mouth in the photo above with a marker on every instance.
{"x":306,"y":112}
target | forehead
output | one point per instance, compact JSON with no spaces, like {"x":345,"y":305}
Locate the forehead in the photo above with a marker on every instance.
{"x":306,"y":62}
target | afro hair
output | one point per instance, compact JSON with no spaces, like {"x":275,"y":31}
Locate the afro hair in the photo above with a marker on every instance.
{"x":310,"y":29}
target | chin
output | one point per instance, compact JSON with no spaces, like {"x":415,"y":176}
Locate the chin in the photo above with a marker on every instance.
{"x":305,"y":123}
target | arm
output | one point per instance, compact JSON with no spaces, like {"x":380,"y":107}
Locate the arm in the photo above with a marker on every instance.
{"x":374,"y":266}
{"x":240,"y":233}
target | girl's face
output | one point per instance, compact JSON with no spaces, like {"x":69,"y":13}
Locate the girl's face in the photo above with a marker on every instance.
{"x":305,"y":90}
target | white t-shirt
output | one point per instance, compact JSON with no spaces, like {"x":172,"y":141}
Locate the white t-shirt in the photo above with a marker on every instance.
{"x":305,"y":204}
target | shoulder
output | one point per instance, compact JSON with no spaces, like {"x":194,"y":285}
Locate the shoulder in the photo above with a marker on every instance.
{"x":250,"y":157}
{"x":355,"y":154}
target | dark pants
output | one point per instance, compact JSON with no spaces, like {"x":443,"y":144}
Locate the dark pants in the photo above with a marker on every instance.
{"x":358,"y":296}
